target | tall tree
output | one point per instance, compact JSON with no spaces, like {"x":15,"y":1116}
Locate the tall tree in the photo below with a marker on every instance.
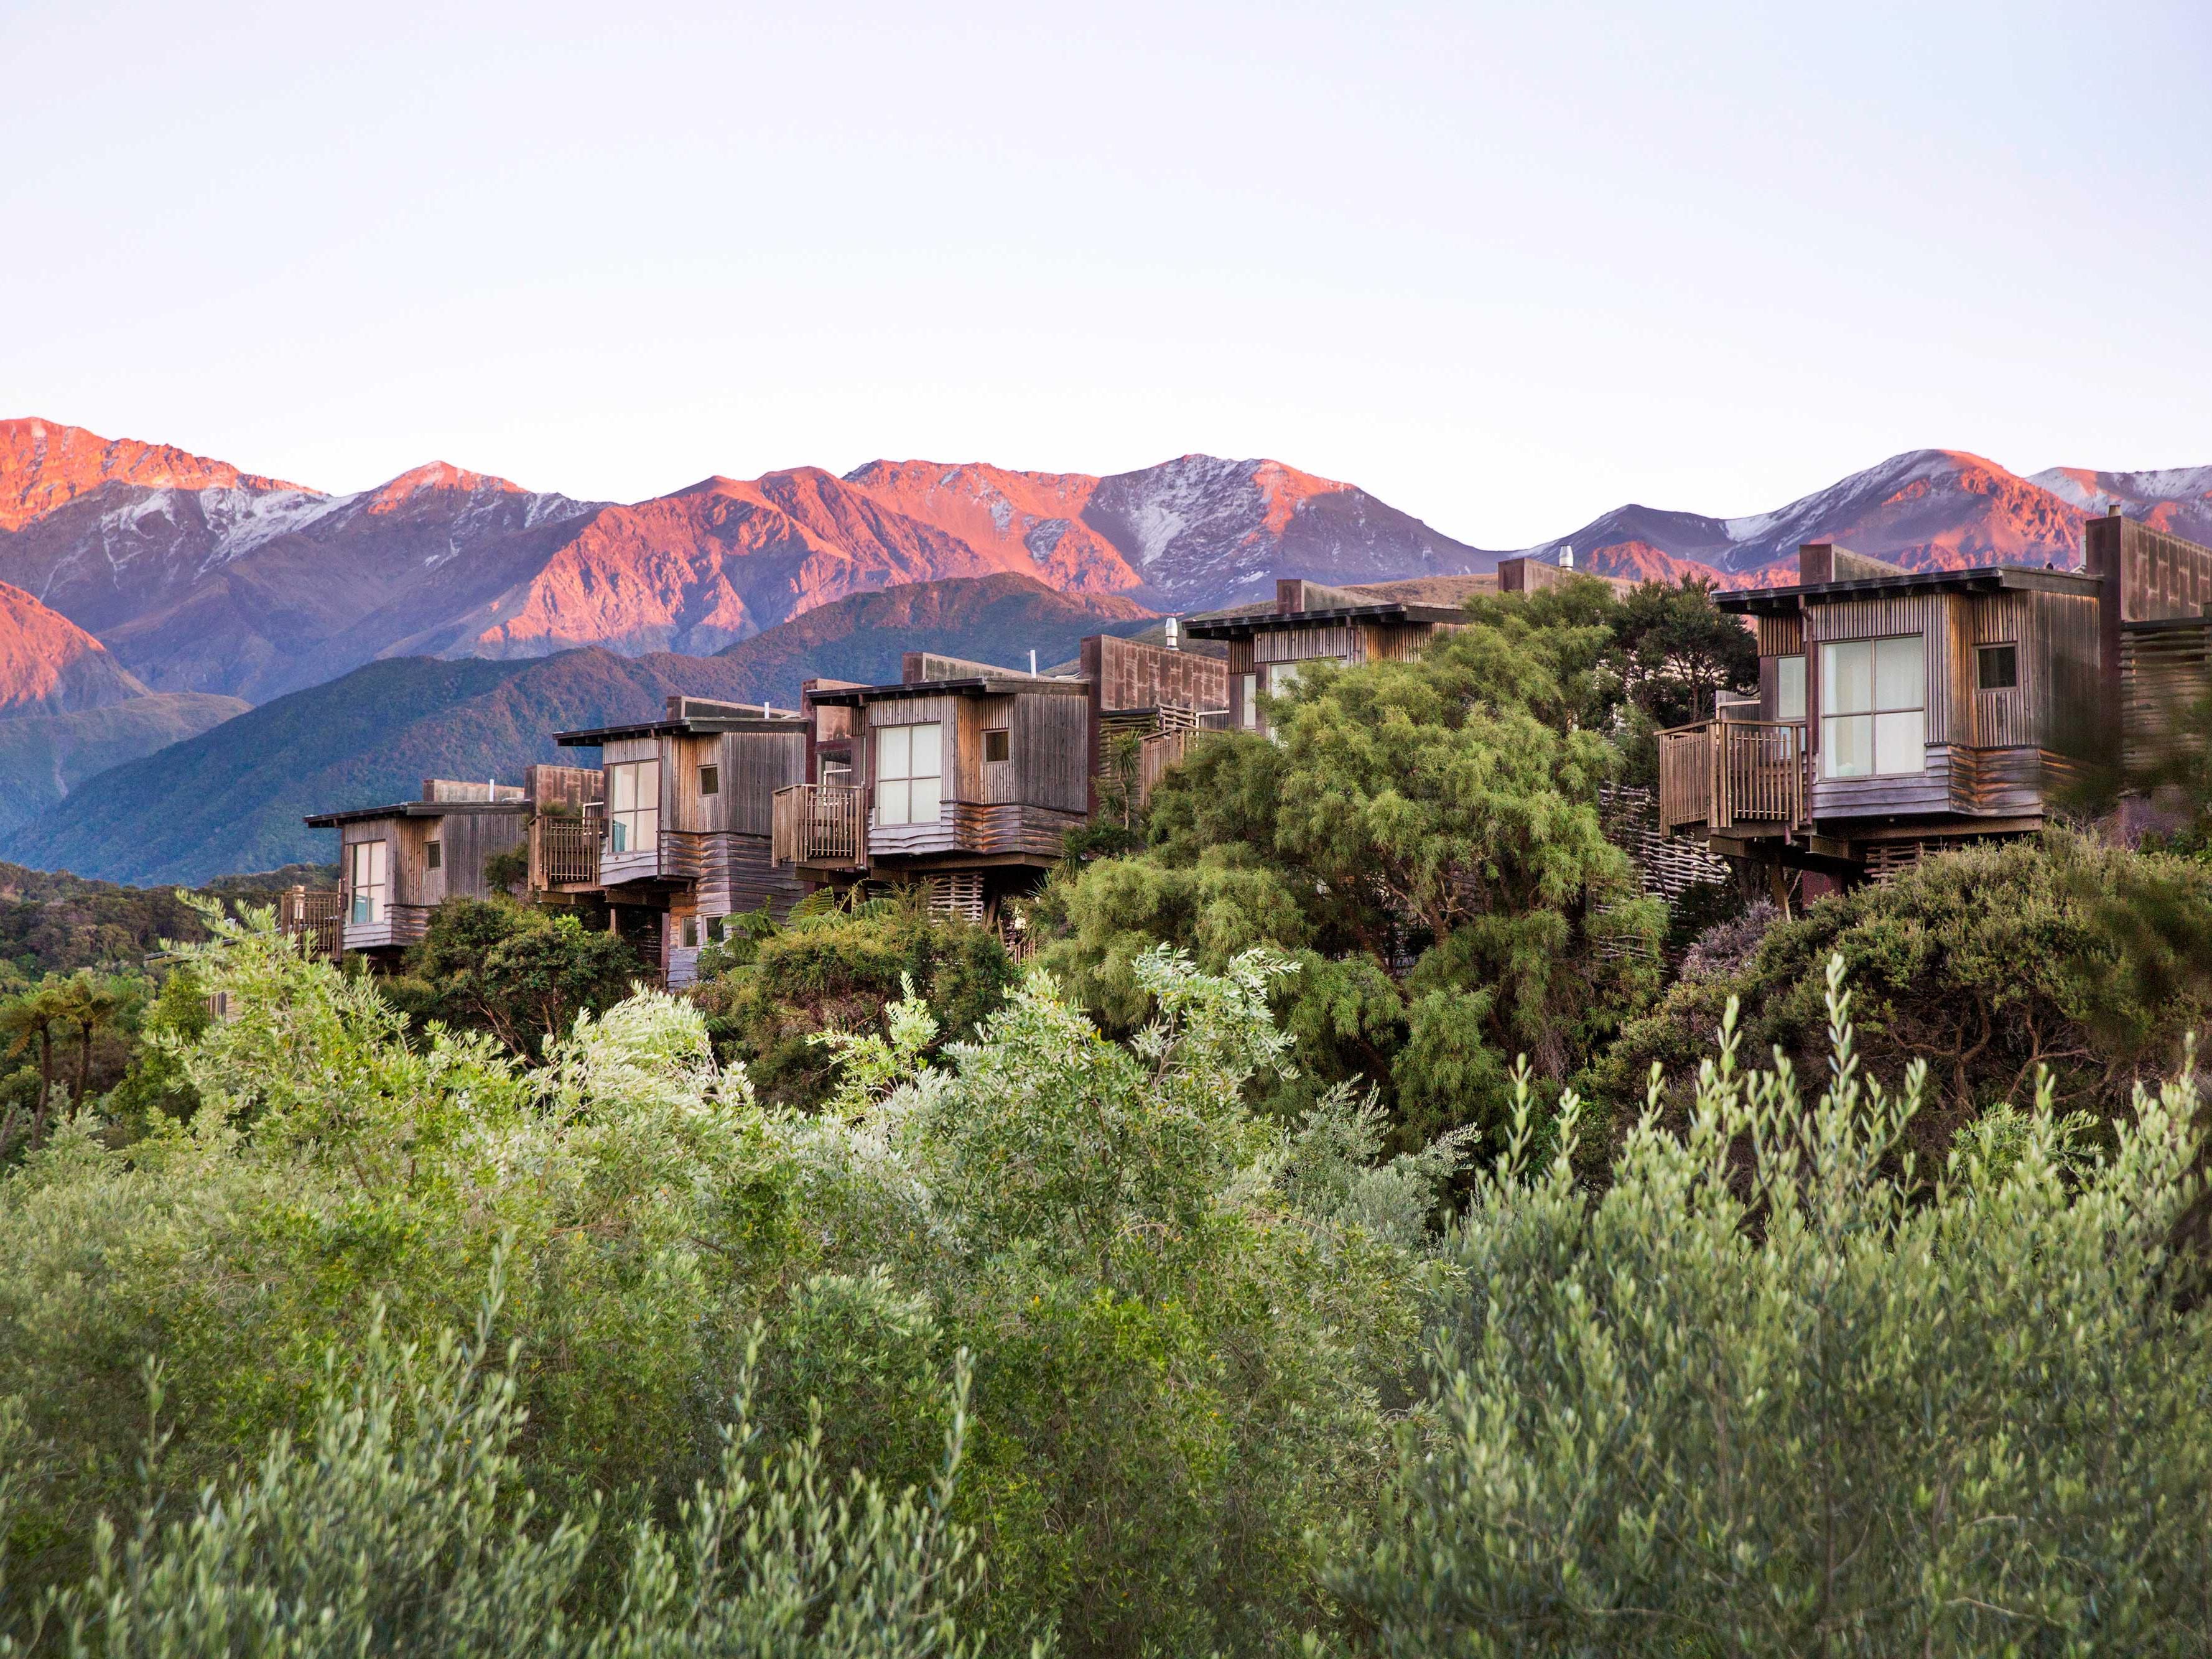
{"x":91,"y":1005}
{"x":26,"y":1020}
{"x":1426,"y":835}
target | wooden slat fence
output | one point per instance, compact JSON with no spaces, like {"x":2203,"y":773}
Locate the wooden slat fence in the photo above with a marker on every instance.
{"x":824,"y":823}
{"x":1722,"y":773}
{"x":565,"y":851}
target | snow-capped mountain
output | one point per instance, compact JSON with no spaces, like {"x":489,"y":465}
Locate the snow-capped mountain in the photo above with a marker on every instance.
{"x":1925,"y":509}
{"x":202,"y":578}
{"x":199,"y":577}
{"x":2178,"y":499}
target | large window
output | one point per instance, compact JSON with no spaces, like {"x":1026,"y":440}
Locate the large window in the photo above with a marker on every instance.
{"x":1790,"y":688}
{"x":909,"y":773}
{"x":633,"y":806}
{"x":1873,"y":702}
{"x":365,"y":883}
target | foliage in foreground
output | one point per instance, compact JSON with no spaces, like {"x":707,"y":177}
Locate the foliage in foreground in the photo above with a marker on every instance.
{"x":398,"y":1523}
{"x":1186,"y":1326}
{"x":1781,"y":1390}
{"x":2059,"y":953}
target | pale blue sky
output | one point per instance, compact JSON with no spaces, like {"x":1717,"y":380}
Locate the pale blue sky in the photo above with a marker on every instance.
{"x":1506,"y":266}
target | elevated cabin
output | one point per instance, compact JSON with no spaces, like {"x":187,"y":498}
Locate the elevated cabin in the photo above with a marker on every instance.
{"x":968,"y":776}
{"x":398,"y":863}
{"x":1902,"y":712}
{"x":1271,"y":645}
{"x":677,"y":837}
{"x":1157,"y":695}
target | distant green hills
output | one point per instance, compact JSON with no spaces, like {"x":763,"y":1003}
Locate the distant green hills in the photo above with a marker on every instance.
{"x":232,"y":798}
{"x":44,"y":756}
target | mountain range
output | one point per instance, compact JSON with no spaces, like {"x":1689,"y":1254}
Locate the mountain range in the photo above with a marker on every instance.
{"x":162,"y":590}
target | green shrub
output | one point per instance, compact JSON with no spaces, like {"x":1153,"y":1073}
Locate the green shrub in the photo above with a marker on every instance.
{"x":523,"y":975}
{"x":771,"y":991}
{"x":398,"y":1523}
{"x":1987,"y":964}
{"x":1780,"y":1389}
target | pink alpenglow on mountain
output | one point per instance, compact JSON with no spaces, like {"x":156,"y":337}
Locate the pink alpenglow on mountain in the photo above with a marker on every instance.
{"x":45,"y":464}
{"x":49,"y":665}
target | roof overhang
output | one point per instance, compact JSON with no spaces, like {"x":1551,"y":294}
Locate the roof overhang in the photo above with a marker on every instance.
{"x":599,"y":737}
{"x":852,"y":697}
{"x":1982,"y":579}
{"x":415,"y":808}
{"x":1267,"y":621}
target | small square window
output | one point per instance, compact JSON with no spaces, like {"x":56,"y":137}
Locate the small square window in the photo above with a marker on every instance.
{"x":691,"y":932}
{"x":714,"y":932}
{"x":998,"y":744}
{"x":1999,"y":667}
{"x":437,"y":859}
{"x":710,"y":780}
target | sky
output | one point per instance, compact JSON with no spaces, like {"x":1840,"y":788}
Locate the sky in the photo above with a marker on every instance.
{"x":1504,"y":266}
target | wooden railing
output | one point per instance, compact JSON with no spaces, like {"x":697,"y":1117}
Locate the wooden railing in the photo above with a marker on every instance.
{"x":311,"y":915}
{"x":565,"y":851}
{"x":1725,"y":774}
{"x":824,"y":824}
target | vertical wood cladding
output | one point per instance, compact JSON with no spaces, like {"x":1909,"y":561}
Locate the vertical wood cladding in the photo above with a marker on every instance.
{"x":1780,"y":636}
{"x":1129,"y":674}
{"x":468,"y":839}
{"x":1047,"y":744}
{"x":573,"y":787}
{"x":1051,"y":751}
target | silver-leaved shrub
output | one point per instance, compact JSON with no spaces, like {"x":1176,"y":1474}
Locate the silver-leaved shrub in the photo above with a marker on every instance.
{"x":1778,"y":1390}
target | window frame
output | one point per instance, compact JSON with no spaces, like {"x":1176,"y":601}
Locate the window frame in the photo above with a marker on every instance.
{"x":1803,"y":687}
{"x":1004,"y":745}
{"x":627,"y":827}
{"x":1877,"y":710}
{"x":710,"y":778}
{"x":2008,"y":651}
{"x":368,"y":900}
{"x":434,"y":854}
{"x":1250,"y":711}
{"x":898,"y":786}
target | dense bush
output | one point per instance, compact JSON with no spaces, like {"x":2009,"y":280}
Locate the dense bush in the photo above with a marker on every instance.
{"x":1986,"y":964}
{"x":1423,"y":838}
{"x":769,"y":990}
{"x":1780,"y":1391}
{"x":523,"y":975}
{"x":1186,"y":1326}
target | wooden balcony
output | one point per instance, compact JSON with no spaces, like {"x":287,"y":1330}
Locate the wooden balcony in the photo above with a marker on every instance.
{"x":1733,"y":775}
{"x":311,"y":916}
{"x":564,"y":852}
{"x":823,"y":824}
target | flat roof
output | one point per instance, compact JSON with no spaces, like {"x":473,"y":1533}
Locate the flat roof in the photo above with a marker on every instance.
{"x":1982,"y":579}
{"x":697,"y":726}
{"x":412,"y":809}
{"x":845,"y":696}
{"x":1240,"y":627}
